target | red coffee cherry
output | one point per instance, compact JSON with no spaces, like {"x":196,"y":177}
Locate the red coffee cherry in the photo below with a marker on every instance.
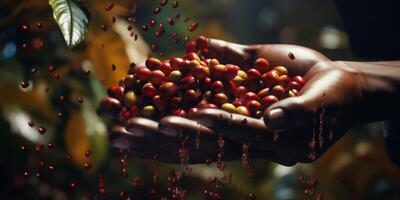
{"x":299,"y":79}
{"x":153,"y":63}
{"x":116,"y":92}
{"x":253,"y":75}
{"x":149,"y":90}
{"x":201,"y":42}
{"x":268,"y":100}
{"x":231,"y":72}
{"x":143,"y":74}
{"x":262,"y":65}
{"x":220,"y":98}
{"x":270,"y":78}
{"x":217,"y":87}
{"x":278,"y":91}
{"x":157,"y":77}
{"x":281,"y":70}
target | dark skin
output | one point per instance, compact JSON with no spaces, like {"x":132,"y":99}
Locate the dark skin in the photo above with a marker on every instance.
{"x":338,"y":95}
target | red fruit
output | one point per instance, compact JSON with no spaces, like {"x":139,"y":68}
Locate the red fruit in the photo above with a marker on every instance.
{"x":153,"y":63}
{"x":262,"y":93}
{"x":176,"y":63}
{"x":243,"y":110}
{"x":205,"y":83}
{"x":143,"y":74}
{"x":201,"y":42}
{"x":133,"y":111}
{"x":167,"y":90}
{"x":241,"y":90}
{"x":200,"y":72}
{"x":270,"y":78}
{"x":253,"y":106}
{"x":300,"y":80}
{"x":129,"y":82}
{"x":176,"y":102}
{"x":220,"y":98}
{"x":281,"y":70}
{"x":185,"y":66}
{"x":278,"y":91}
{"x":124,"y":115}
{"x":294,"y":85}
{"x":236,"y":102}
{"x":249,"y":96}
{"x":230,"y":88}
{"x":217,"y":86}
{"x":217,"y":71}
{"x":157,"y":77}
{"x":191,"y":95}
{"x":179,"y":112}
{"x":292,"y":93}
{"x":262,"y":65}
{"x":160,"y":104}
{"x":166,"y":68}
{"x":284,"y":80}
{"x":116,"y":92}
{"x":253,"y":75}
{"x":231,"y":72}
{"x":149,"y":90}
{"x":268,"y":100}
{"x":192,"y":56}
{"x":192,"y":111}
{"x":202,"y":104}
{"x":188,"y":82}
{"x":190,"y":46}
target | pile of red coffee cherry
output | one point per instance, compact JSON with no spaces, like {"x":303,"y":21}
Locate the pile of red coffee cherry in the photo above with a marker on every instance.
{"x":183,"y":86}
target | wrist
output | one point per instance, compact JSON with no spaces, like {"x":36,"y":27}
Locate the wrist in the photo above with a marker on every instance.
{"x":378,"y":85}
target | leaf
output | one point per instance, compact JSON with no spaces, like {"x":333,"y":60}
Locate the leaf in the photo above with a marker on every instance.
{"x":72,"y":21}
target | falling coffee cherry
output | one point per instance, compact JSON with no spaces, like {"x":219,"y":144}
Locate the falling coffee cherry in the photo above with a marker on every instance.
{"x":193,"y":26}
{"x":39,"y":24}
{"x":175,"y":4}
{"x":42,"y":130}
{"x":25,"y":27}
{"x":108,"y":6}
{"x":79,"y":99}
{"x":103,"y":28}
{"x":24,"y":84}
{"x":157,"y":10}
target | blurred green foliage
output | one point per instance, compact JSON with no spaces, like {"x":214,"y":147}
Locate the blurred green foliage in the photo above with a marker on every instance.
{"x":355,"y":168}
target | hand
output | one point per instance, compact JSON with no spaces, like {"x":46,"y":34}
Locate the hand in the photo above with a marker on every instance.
{"x":299,"y":129}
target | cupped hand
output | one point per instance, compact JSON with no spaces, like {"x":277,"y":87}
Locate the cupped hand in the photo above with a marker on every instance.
{"x":296,"y":129}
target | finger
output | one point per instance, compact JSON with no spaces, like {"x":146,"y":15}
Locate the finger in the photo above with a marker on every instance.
{"x":141,"y":136}
{"x":202,"y":141}
{"x":227,"y":52}
{"x":239,"y":128}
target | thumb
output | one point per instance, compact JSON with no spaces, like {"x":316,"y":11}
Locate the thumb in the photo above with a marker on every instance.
{"x":290,"y":113}
{"x":227,"y":52}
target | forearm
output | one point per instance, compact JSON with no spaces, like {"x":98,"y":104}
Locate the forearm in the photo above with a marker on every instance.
{"x":379,"y":84}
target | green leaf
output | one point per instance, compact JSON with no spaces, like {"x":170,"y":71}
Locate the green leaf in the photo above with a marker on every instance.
{"x":72,"y":21}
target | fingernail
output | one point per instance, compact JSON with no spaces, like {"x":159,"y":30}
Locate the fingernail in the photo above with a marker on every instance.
{"x":275,"y":118}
